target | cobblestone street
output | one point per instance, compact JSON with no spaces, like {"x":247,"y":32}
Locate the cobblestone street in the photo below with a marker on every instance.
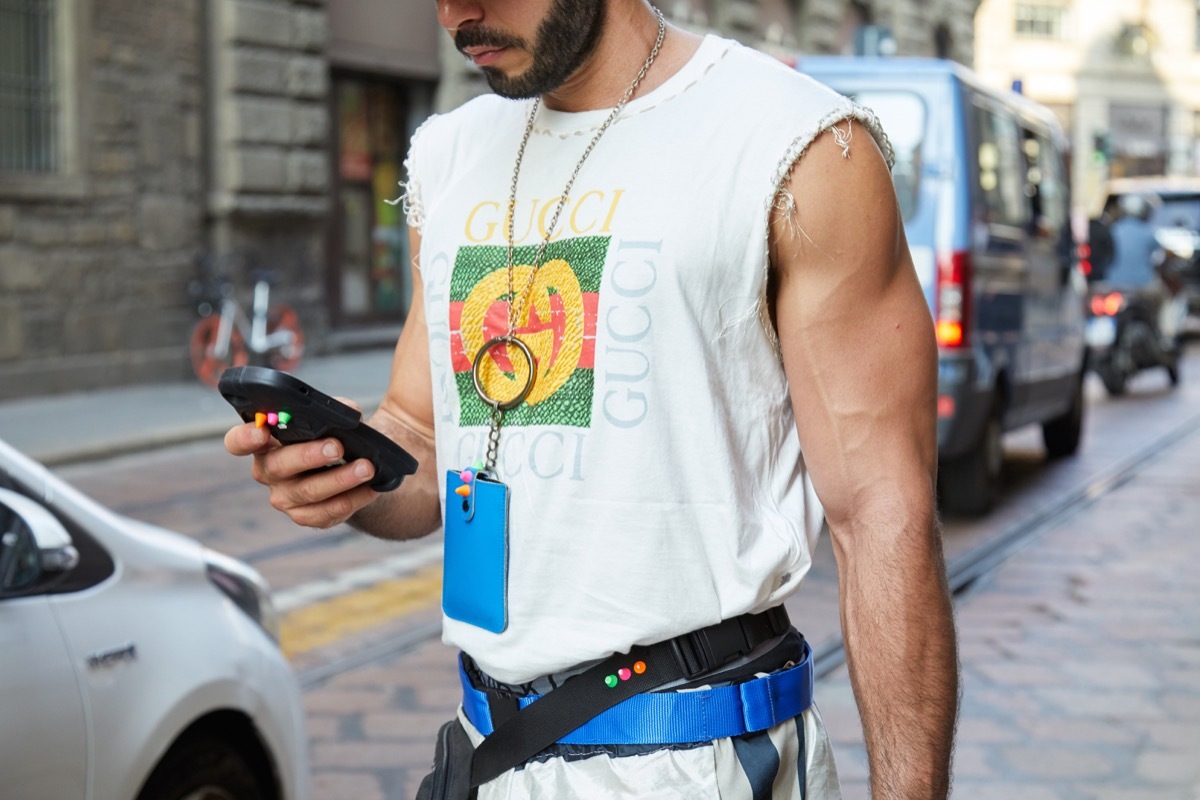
{"x":1080,"y":657}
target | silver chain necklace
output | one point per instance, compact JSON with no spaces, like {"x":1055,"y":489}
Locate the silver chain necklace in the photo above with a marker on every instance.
{"x":510,"y":338}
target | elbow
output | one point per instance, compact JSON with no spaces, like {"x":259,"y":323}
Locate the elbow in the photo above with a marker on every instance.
{"x":881,"y":509}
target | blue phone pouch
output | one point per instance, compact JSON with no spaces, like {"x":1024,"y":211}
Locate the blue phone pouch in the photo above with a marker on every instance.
{"x":475,"y":561}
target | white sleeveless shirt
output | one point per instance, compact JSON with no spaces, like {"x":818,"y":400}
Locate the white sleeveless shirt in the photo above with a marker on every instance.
{"x":657,"y":482}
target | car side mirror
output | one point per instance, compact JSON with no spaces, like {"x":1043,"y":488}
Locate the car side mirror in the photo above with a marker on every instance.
{"x":33,"y":543}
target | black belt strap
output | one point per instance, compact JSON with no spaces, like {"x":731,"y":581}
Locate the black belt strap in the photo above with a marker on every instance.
{"x":582,"y":697}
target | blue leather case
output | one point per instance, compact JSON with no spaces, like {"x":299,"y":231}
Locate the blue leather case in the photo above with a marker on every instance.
{"x":475,"y":562}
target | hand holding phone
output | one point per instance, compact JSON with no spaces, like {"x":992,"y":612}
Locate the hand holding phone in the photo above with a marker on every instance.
{"x":296,"y":412}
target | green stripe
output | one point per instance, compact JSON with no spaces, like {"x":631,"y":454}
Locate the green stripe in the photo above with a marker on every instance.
{"x":570,"y":405}
{"x":585,"y":255}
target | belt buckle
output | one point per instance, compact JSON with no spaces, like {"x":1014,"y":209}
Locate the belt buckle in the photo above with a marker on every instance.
{"x":690,"y":654}
{"x":708,"y":648}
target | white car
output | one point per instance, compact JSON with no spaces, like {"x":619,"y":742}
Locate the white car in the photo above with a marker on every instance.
{"x":134,"y":663}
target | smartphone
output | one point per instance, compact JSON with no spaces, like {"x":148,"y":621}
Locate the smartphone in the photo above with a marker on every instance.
{"x":296,"y":412}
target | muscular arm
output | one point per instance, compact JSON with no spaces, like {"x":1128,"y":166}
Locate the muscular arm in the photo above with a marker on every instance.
{"x":859,"y":352}
{"x":325,"y":498}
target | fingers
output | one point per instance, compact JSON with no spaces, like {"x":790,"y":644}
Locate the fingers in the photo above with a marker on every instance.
{"x":349,"y":402}
{"x":280,"y":464}
{"x":320,"y":500}
{"x":247,"y":439}
{"x":307,"y":480}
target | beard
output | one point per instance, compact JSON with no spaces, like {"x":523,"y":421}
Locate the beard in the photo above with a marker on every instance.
{"x":563,"y":42}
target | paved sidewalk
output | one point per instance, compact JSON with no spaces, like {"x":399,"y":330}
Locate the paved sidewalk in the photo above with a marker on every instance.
{"x":72,"y":427}
{"x":1081,"y":656}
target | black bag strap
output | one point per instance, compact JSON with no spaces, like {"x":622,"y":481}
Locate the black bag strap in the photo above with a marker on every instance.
{"x":584,"y":696}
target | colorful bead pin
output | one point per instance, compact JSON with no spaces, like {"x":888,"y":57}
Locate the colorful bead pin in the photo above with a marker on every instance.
{"x":467,"y":476}
{"x":624,"y":674}
{"x":275,"y":419}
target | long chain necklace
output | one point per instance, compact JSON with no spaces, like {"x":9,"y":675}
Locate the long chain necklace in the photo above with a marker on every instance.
{"x":510,"y":339}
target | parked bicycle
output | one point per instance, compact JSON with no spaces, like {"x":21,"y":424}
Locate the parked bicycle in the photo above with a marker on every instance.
{"x":226,"y":336}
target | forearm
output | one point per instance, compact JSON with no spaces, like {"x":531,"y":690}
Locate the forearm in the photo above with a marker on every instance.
{"x":900,"y":649}
{"x":413,"y":509}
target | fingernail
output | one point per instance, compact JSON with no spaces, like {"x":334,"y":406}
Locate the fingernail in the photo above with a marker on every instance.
{"x":330,"y":450}
{"x":361,"y":469}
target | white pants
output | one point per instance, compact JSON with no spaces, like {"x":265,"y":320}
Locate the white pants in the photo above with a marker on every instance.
{"x":791,"y":761}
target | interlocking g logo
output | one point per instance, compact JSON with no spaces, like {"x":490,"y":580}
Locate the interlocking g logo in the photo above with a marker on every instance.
{"x":552,"y":327}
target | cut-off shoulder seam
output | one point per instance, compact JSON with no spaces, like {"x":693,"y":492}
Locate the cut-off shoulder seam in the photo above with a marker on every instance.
{"x":781,"y":199}
{"x":410,"y":188}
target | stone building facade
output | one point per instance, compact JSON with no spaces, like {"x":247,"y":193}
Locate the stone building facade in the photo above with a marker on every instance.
{"x":1123,"y":75}
{"x":135,"y":137}
{"x":101,"y":194}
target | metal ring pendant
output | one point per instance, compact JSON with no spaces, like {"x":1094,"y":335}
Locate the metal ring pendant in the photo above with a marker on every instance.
{"x":490,"y":345}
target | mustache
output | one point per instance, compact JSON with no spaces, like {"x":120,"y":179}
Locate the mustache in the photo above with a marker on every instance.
{"x":479,"y":36}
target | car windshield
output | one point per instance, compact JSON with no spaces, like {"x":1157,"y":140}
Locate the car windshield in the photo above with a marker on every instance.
{"x":1178,"y":211}
{"x":903,"y":116}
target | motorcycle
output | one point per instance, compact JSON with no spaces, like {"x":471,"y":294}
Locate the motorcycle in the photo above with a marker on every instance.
{"x":1123,"y":337}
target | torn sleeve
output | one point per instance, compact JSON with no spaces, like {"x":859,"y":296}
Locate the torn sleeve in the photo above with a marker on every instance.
{"x":840,"y":121}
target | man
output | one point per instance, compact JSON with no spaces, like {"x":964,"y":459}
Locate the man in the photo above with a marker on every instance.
{"x":624,"y":287}
{"x":1139,"y":263}
{"x":1136,"y":251}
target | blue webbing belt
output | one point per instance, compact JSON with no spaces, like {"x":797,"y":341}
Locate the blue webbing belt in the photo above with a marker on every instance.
{"x":668,"y":717}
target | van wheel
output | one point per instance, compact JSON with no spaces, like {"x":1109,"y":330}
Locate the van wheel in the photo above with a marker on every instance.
{"x":1062,"y":434}
{"x":204,"y":768}
{"x":970,"y":484}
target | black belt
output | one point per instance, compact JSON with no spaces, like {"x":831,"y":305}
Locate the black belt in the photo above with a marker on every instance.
{"x":520,"y":735}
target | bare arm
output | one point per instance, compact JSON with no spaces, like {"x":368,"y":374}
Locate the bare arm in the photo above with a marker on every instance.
{"x":327,"y":498}
{"x":859,"y":352}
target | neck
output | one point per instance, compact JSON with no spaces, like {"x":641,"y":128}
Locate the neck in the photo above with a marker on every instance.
{"x":629,"y":32}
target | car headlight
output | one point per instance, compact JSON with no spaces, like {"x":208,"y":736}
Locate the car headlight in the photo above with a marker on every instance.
{"x":245,"y":588}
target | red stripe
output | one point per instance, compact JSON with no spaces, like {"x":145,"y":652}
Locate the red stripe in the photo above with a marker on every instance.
{"x":591,"y":304}
{"x":458,"y":358}
{"x":462,"y":363}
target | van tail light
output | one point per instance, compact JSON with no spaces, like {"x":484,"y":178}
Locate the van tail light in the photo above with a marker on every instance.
{"x":953,"y":300}
{"x":1084,"y":251}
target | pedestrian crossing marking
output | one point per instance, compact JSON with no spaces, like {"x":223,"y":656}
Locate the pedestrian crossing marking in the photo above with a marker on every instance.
{"x":329,"y":621}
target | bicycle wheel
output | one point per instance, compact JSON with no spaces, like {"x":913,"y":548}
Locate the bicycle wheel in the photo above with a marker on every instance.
{"x":207,"y":366}
{"x":286,"y":357}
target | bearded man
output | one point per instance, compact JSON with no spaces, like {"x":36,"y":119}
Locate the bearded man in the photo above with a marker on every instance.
{"x":664,"y":324}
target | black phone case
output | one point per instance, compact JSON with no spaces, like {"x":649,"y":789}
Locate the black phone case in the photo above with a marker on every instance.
{"x":253,"y":390}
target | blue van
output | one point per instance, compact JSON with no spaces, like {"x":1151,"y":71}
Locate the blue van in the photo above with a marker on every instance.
{"x":982,"y":183}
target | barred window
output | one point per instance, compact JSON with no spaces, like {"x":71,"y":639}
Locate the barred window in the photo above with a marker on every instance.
{"x":1041,"y":21}
{"x":30,"y":96}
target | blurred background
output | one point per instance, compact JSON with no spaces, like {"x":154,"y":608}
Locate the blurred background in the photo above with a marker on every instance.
{"x":137,"y":137}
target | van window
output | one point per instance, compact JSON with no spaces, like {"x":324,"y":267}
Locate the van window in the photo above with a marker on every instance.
{"x":1001,"y":171}
{"x":903,"y":116}
{"x":1044,"y":184}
